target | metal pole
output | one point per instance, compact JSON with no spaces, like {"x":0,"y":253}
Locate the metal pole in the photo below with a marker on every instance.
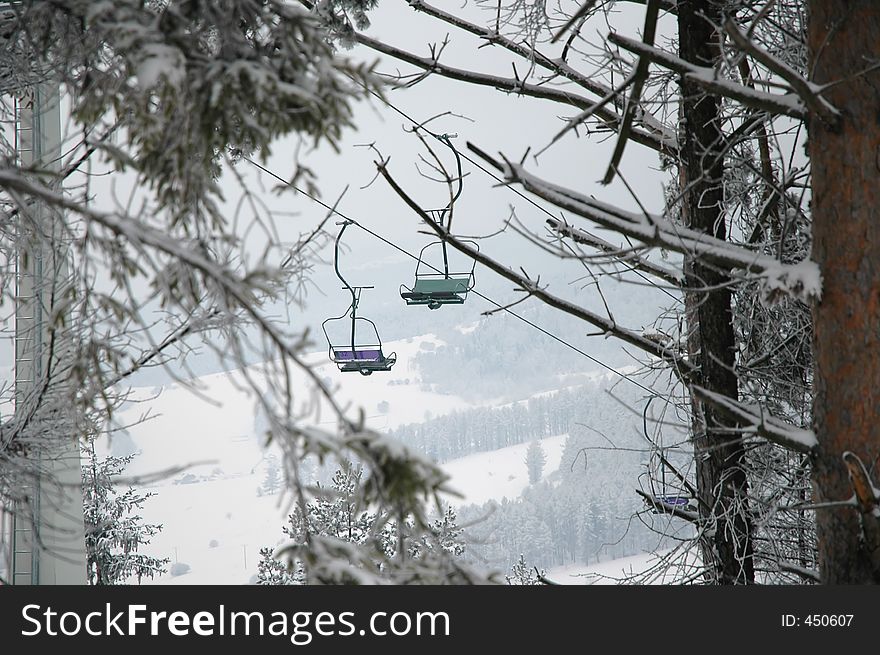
{"x":48,"y":538}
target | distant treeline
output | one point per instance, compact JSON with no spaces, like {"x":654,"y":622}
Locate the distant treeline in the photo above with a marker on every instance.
{"x":490,"y":428}
{"x":585,"y":511}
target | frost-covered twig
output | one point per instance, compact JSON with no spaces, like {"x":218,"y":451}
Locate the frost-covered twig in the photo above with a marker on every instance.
{"x":679,"y":364}
{"x":755,"y":419}
{"x":808,"y":93}
{"x":801,"y":280}
{"x":708,"y":78}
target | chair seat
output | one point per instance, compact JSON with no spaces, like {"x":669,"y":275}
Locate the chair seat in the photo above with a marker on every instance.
{"x":340,"y":355}
{"x":362,"y":361}
{"x":437,"y":291}
{"x":441,"y":286}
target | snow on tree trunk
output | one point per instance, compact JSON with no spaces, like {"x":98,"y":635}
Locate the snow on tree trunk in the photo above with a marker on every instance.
{"x":843,"y":41}
{"x":721,"y":480}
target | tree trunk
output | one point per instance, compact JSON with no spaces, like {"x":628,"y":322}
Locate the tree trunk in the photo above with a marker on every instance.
{"x":844,"y":40}
{"x":721,"y":482}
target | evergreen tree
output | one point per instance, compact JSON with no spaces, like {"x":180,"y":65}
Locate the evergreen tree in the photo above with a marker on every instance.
{"x":523,"y":574}
{"x":271,"y":571}
{"x":272,"y":480}
{"x":114,"y":530}
{"x":535,"y":460}
{"x":335,"y":514}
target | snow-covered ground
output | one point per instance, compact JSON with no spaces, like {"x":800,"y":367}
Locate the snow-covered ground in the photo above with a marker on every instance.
{"x":498,"y":473}
{"x":214,"y":520}
{"x":217,"y":526}
{"x":213,"y":420}
{"x":647,"y":568}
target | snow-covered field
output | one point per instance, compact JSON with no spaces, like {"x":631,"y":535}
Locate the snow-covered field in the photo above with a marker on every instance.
{"x":217,"y":526}
{"x":646,"y":567}
{"x":214,"y":421}
{"x":214,"y":520}
{"x":498,"y":473}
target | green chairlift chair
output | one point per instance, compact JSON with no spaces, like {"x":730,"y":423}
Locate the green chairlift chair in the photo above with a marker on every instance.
{"x":436,"y":287}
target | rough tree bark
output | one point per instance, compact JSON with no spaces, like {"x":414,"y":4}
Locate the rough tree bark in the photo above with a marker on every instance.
{"x":843,"y":41}
{"x":722,"y":486}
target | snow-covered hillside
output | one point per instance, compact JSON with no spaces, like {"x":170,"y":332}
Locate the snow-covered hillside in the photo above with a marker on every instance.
{"x":499,"y":473}
{"x":646,"y":568}
{"x":216,"y":524}
{"x":215,"y":520}
{"x":215,"y":419}
{"x":217,"y":513}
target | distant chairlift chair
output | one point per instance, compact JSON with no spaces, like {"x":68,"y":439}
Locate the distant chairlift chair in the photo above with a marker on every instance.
{"x":434,"y":285}
{"x":673,"y":495}
{"x":353,"y":354}
{"x":357,"y":354}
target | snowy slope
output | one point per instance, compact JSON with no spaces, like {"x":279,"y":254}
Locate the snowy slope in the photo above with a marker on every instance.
{"x":619,"y":570}
{"x":216,"y":418}
{"x":499,"y":473}
{"x":228,"y":512}
{"x":214,"y":520}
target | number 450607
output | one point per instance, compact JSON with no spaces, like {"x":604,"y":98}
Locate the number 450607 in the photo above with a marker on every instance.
{"x":828,"y":620}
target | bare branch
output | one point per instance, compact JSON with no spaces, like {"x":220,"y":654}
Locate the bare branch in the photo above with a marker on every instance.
{"x":807,"y":574}
{"x":632,"y":103}
{"x":799,"y":280}
{"x":571,"y":22}
{"x":636,"y":262}
{"x":679,"y":364}
{"x":786,"y":105}
{"x":755,"y":419}
{"x":658,"y":142}
{"x":807,"y":92}
{"x":868,"y":498}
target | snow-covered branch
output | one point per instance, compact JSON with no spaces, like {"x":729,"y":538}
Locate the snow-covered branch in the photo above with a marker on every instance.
{"x":751,"y":418}
{"x":801,"y":280}
{"x":633,"y":102}
{"x":553,"y":65}
{"x":606,"y":325}
{"x":630,"y":259}
{"x":807,"y":92}
{"x":787,"y":105}
{"x":658,"y":142}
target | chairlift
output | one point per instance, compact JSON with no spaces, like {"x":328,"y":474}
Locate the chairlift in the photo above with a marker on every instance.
{"x":675,"y":494}
{"x":356,"y":352}
{"x":434,"y":285}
